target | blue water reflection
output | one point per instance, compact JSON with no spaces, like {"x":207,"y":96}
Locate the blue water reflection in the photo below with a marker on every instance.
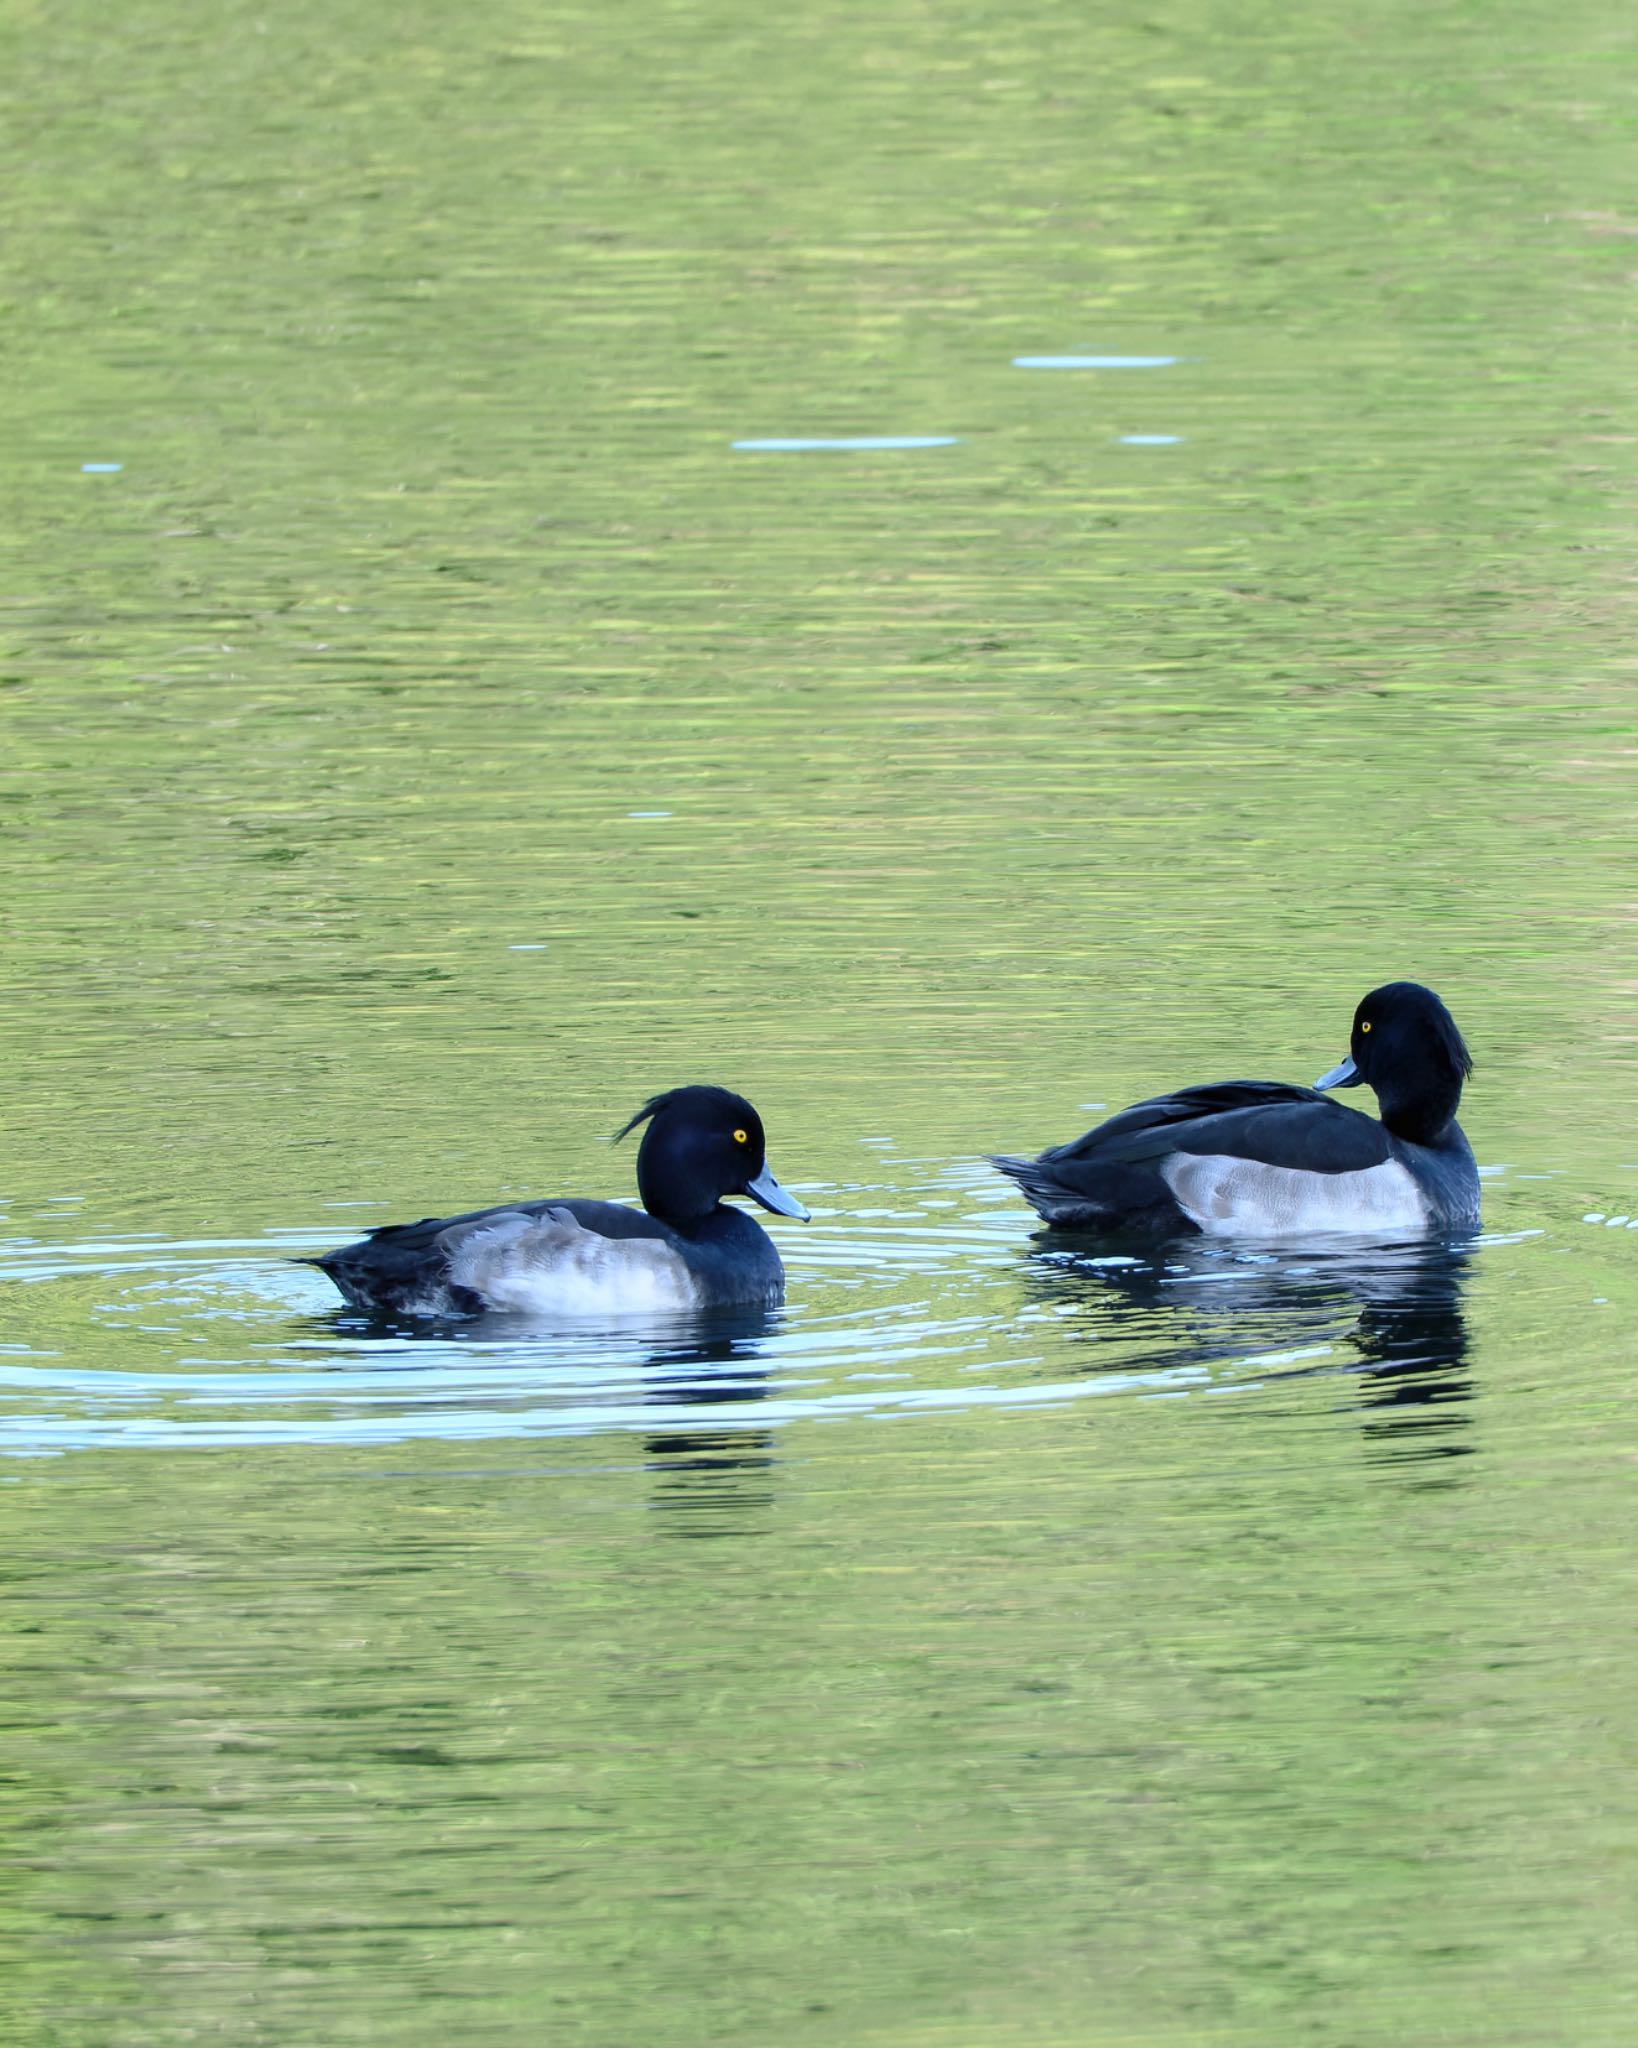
{"x":1094,"y":362}
{"x":866,"y":441}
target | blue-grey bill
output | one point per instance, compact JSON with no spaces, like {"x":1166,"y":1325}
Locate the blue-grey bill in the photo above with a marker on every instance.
{"x":1345,"y":1076}
{"x":766,"y":1190}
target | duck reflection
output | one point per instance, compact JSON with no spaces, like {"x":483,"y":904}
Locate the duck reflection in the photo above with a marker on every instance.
{"x":1398,"y":1307}
{"x":704,"y":1474}
{"x":683,"y":1365}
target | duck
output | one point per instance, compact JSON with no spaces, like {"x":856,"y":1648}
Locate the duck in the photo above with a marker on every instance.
{"x":684,"y":1250}
{"x":1267,"y":1159}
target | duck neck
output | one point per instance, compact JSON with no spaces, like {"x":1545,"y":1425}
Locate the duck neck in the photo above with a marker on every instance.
{"x":671,"y":1191}
{"x":698,"y":1223}
{"x":685,"y":1217}
{"x":1425,"y":1118}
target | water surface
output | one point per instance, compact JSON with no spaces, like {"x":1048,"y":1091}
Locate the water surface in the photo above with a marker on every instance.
{"x":427,"y":734}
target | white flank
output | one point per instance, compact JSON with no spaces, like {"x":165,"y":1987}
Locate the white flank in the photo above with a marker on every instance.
{"x":1228,"y":1197}
{"x":549,"y":1265}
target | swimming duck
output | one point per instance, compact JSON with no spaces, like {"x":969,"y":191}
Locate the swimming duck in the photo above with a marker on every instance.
{"x":684,"y":1249}
{"x":1263,"y":1159}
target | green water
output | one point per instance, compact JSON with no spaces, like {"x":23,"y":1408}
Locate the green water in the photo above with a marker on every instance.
{"x":435,"y":736}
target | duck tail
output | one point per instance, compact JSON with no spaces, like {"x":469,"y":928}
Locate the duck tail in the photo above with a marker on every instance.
{"x":1114,"y":1197}
{"x":1034,"y":1181}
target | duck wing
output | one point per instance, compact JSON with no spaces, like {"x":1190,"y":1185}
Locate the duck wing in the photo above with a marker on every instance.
{"x":559,"y":1258}
{"x":1110,"y":1177}
{"x":1269,"y":1121}
{"x":412,"y":1267}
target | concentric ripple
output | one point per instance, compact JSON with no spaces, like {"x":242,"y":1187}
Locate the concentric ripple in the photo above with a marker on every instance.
{"x":898,"y":1302}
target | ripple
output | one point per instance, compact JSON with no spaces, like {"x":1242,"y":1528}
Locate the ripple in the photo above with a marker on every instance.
{"x":900,"y":1302}
{"x":298,"y":1369}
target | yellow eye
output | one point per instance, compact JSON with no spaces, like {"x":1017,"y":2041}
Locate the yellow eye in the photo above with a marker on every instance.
{"x":1364,"y":1023}
{"x":742,"y":1137}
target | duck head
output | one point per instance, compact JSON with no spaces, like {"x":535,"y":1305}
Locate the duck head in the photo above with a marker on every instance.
{"x":1405,"y":1045}
{"x":702,"y":1144}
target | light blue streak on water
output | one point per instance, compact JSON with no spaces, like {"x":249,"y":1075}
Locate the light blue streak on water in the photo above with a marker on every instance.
{"x":1150,"y":440}
{"x":101,"y":468}
{"x":1092,"y":362}
{"x":415,"y":1415}
{"x":851,"y":441}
